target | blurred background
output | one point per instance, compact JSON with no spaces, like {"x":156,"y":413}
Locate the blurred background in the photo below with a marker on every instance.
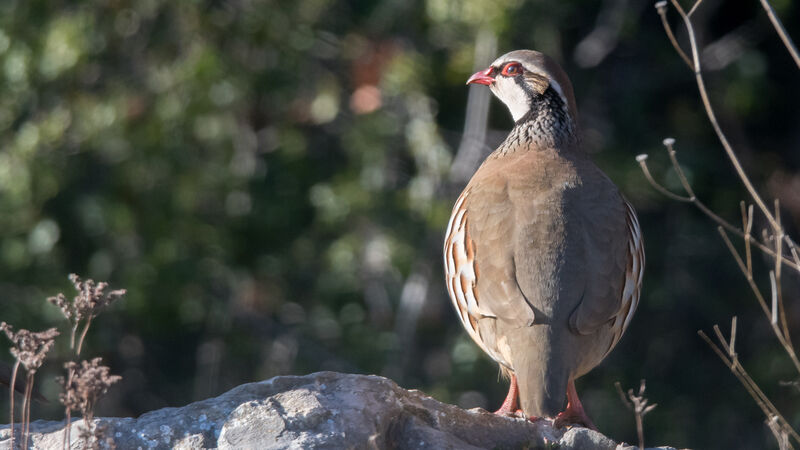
{"x":271,"y":180}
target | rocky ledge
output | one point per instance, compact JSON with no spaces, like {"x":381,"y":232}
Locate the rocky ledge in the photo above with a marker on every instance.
{"x":322,"y":410}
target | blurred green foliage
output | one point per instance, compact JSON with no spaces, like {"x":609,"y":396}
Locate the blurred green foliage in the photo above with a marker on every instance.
{"x":267,"y":180}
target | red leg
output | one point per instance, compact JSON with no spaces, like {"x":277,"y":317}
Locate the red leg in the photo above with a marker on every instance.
{"x":574,"y":412}
{"x":510,"y":406}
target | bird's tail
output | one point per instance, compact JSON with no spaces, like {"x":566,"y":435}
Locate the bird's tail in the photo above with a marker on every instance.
{"x":541,"y":373}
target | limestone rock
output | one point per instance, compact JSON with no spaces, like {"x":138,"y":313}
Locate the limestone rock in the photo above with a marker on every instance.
{"x":324,"y":410}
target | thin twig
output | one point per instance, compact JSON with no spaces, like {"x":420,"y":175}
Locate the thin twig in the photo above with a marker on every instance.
{"x":638,"y":404}
{"x":747,"y":226}
{"x":787,"y":346}
{"x":792,"y":249}
{"x":774,"y":291}
{"x":11,"y":392}
{"x":642,"y":160}
{"x":795,"y":255}
{"x":669,"y":143}
{"x":732,"y":344}
{"x":745,"y":269}
{"x":661,"y":7}
{"x":694,"y":8}
{"x":701,"y":86}
{"x":83,"y":335}
{"x":26,"y":409}
{"x":728,"y":363}
{"x":68,"y":399}
{"x":780,"y":434}
{"x":778,"y":265}
{"x":771,"y":243}
{"x":776,"y":23}
{"x":72,"y":335}
{"x":767,"y":407}
{"x":67,"y":429}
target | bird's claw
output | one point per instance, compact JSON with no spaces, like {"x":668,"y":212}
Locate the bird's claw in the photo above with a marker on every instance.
{"x":571,"y":417}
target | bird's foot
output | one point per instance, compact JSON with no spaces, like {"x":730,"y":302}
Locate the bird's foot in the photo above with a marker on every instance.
{"x":574,"y":414}
{"x":568,"y":417}
{"x":509,"y":413}
{"x":510,"y":410}
{"x":510,"y":406}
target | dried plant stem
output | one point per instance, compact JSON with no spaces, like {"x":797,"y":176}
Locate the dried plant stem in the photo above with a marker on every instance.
{"x":67,"y":430}
{"x":86,"y":383}
{"x":694,"y":64}
{"x":642,"y":159}
{"x":640,"y":431}
{"x":11,"y":396}
{"x":730,"y":359}
{"x":778,"y":237}
{"x":638,"y":404}
{"x":29,"y":349}
{"x":692,"y":198}
{"x":71,"y":374}
{"x":776,"y":23}
{"x":712,"y":117}
{"x":72,"y":335}
{"x":83,"y":335}
{"x":792,"y":250}
{"x":26,"y":408}
{"x":87,"y":380}
{"x":747,"y":271}
{"x":694,"y":7}
{"x":661,"y":7}
{"x":68,"y":412}
{"x":747,"y":225}
{"x":772,"y":242}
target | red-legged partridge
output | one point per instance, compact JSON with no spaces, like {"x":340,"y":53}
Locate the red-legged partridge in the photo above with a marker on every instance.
{"x":543,"y":255}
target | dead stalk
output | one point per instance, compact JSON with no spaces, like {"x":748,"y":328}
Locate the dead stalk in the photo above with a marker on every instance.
{"x":642,"y":159}
{"x":730,"y":359}
{"x":772,"y":242}
{"x":712,"y":117}
{"x":83,"y":335}
{"x":770,"y":311}
{"x":776,"y":23}
{"x":11,"y":396}
{"x":661,"y":7}
{"x":26,"y":409}
{"x":86,"y":381}
{"x":638,"y":404}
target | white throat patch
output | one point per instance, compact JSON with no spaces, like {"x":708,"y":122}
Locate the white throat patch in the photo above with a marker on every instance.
{"x":510,"y":93}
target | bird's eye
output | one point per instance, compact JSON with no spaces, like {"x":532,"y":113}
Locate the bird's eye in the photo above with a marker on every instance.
{"x":512,"y":69}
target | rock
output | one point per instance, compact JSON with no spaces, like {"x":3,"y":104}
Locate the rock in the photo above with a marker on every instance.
{"x":324,"y":410}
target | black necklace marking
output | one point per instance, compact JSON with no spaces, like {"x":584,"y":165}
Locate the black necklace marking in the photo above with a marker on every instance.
{"x":547,"y":122}
{"x":543,"y":105}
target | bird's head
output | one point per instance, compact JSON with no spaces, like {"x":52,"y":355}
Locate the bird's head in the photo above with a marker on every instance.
{"x":530,"y":84}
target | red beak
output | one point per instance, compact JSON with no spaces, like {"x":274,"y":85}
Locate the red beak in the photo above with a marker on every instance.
{"x":482,"y":77}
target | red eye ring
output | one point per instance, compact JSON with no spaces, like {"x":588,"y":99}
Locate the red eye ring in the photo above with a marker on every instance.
{"x":512,"y":69}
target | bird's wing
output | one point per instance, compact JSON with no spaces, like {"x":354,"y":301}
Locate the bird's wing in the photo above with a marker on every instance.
{"x":479,"y":261}
{"x":613,"y":259}
{"x":495,"y":230}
